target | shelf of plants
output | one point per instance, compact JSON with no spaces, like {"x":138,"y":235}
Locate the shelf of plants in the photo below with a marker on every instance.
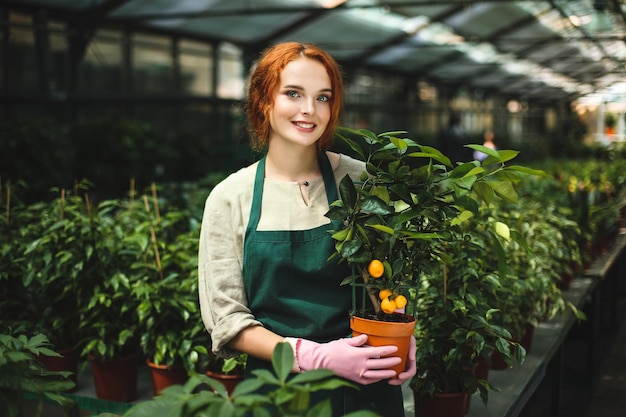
{"x":518,"y":384}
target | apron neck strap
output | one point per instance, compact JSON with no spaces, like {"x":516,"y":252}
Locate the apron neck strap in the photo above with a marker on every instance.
{"x":259,"y":180}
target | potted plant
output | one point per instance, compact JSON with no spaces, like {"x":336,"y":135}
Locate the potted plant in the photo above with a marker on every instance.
{"x":23,"y":373}
{"x":57,"y":249}
{"x":172,"y":332}
{"x":228,"y":371}
{"x":277,"y":393}
{"x":109,"y":318}
{"x":535,"y":273}
{"x":409,"y":213}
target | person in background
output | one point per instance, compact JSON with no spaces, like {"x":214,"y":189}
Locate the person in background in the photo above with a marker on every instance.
{"x":264,"y":274}
{"x":453,"y":140}
{"x":489,"y":142}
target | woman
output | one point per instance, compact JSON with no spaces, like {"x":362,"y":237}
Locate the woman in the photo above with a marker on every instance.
{"x":489,"y":142}
{"x":264,"y":245}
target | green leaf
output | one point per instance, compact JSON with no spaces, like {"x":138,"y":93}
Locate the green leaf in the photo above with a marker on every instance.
{"x":474,"y":171}
{"x":506,"y":155}
{"x":374,"y":205}
{"x":399,"y":143}
{"x":484,"y":149}
{"x":428,"y":152}
{"x":484,"y":192}
{"x":462,"y":170}
{"x":313,"y":375}
{"x":528,"y":170}
{"x":504,"y":190}
{"x":282,"y":360}
{"x":382,"y":228}
{"x":347,"y":192}
{"x":381,"y":192}
{"x":463,"y":216}
{"x":350,"y":247}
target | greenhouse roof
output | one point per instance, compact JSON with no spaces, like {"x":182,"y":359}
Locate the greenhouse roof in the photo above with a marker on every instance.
{"x":541,"y":50}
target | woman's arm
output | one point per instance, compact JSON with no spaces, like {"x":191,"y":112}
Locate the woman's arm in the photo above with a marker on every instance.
{"x":256,"y":341}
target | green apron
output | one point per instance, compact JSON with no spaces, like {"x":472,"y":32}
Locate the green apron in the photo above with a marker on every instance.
{"x":294,"y":291}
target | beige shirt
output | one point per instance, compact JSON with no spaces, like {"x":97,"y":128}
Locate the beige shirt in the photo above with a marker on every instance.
{"x":222,"y":295}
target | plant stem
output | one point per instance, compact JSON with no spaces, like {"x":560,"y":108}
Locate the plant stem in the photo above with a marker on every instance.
{"x":375,"y":301}
{"x":157,"y":258}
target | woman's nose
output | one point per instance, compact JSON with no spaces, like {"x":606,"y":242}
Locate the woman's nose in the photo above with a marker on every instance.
{"x":308,"y":107}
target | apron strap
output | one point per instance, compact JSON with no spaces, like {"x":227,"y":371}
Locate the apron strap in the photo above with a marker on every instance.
{"x":257,"y":197}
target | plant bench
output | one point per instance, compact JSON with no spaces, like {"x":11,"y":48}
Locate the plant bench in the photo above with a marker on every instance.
{"x":596,"y":291}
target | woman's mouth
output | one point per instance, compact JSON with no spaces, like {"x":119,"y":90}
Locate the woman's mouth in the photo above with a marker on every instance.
{"x":304,"y":125}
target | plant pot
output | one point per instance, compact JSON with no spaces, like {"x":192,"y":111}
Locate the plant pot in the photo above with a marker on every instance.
{"x":383,"y":333}
{"x":481,"y":369}
{"x":441,"y":405}
{"x":229,"y":381}
{"x":527,"y":338}
{"x":497,"y":361}
{"x":164,"y":376}
{"x":115,"y":379}
{"x":68,"y":362}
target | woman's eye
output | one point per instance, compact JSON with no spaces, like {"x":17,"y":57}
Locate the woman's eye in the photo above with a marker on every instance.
{"x":324,"y":98}
{"x":292,"y":94}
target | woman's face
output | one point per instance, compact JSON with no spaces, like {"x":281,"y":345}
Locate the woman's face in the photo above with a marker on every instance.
{"x":301,"y":109}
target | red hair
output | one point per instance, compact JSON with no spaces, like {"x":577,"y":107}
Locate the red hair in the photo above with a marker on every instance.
{"x":265,"y":80}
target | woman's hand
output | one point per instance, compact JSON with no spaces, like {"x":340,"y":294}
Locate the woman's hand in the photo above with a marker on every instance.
{"x":348,"y":358}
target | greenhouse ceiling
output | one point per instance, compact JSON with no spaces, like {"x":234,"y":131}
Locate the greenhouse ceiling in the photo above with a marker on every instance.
{"x":539,"y":50}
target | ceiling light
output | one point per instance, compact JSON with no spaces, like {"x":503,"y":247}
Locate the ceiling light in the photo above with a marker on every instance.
{"x":331,"y":4}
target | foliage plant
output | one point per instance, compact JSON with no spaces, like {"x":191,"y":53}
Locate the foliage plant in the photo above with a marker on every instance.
{"x":410,"y":207}
{"x":172,"y":332}
{"x":461,"y":326}
{"x":415,"y":211}
{"x":266,"y":394}
{"x":23,"y":373}
{"x":109,"y":317}
{"x":58,"y":247}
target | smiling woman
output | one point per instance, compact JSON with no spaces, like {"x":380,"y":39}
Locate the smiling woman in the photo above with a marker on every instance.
{"x":265,"y":242}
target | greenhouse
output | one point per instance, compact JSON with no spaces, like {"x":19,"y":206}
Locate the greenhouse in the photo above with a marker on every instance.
{"x":454,"y":168}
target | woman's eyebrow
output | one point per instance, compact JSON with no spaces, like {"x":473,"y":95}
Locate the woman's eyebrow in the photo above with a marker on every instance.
{"x":297,"y":87}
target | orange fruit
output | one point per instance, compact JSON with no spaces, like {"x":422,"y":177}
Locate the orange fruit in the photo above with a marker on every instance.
{"x":400,"y":301}
{"x":376,"y":268}
{"x":384,"y":294}
{"x":388,"y":306}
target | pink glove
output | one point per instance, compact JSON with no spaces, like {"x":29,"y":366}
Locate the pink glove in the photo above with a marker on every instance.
{"x":347,"y":358}
{"x":411,"y":368}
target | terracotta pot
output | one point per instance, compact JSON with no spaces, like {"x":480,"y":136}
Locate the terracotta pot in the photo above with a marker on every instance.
{"x":527,"y":337}
{"x":481,"y":370}
{"x":115,"y":379}
{"x":497,"y":361}
{"x":164,"y":376}
{"x":441,"y":405}
{"x":383,"y":333}
{"x":566,"y":281}
{"x":68,"y":362}
{"x":229,"y":381}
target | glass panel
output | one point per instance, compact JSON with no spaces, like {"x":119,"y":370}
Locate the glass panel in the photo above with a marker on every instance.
{"x":101,"y":68}
{"x":153,"y":69}
{"x":58,"y":57}
{"x":23,"y":66}
{"x":196,"y":67}
{"x":230,"y":75}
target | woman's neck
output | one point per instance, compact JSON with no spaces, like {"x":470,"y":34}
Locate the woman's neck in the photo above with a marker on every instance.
{"x":297,"y":165}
